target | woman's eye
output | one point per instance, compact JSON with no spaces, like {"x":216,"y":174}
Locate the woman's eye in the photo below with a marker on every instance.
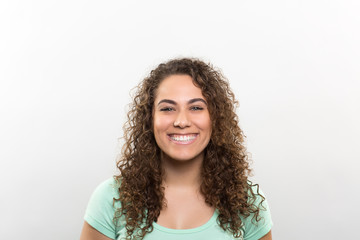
{"x":197,"y":108}
{"x":166,"y":109}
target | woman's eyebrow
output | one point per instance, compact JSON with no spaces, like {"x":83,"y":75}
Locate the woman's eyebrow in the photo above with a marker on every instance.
{"x":196,"y":100}
{"x":167,"y":101}
{"x":189,"y":102}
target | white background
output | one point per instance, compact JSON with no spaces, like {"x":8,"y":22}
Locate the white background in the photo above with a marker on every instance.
{"x":67,"y":67}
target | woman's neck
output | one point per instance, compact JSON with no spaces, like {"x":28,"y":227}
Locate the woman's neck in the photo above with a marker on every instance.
{"x":183,"y":174}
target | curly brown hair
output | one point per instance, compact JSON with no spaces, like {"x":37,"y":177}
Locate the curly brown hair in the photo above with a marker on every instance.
{"x":225,"y":168}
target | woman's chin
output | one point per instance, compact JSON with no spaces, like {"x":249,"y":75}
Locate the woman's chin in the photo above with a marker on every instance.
{"x":182,"y":157}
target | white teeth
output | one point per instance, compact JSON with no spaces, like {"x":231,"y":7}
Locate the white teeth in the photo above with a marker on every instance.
{"x":183,"y":138}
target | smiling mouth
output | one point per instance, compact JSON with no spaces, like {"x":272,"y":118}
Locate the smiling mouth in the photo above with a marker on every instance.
{"x":183,"y":139}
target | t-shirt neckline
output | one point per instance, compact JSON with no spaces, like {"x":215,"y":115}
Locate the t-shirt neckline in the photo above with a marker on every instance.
{"x":190,"y":230}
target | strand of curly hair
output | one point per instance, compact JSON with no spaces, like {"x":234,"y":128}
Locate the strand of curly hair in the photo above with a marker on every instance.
{"x":225,"y":169}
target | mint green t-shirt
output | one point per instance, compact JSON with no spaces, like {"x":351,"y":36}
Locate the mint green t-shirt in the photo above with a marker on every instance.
{"x":100,"y":212}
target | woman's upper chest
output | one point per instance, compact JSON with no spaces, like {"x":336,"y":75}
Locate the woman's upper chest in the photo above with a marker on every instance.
{"x":185,"y":209}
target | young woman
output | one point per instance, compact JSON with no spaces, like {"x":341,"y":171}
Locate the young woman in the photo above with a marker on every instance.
{"x":184,"y":168}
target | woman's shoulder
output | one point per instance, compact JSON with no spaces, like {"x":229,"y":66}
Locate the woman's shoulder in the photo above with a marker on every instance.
{"x":102,"y":206}
{"x":257,"y":226}
{"x":109,"y":186}
{"x":255,"y":193}
{"x":107,"y":190}
{"x":257,"y":198}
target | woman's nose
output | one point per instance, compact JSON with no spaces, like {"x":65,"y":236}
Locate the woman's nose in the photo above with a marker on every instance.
{"x":182,"y":120}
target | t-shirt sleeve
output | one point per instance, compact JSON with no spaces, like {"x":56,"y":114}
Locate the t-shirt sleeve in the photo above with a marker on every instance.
{"x":255,"y":230}
{"x":100,"y":210}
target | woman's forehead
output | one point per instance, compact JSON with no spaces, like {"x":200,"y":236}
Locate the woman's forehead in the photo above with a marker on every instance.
{"x":178,"y":87}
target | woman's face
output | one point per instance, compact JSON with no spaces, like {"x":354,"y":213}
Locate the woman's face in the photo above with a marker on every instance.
{"x":182,"y":125}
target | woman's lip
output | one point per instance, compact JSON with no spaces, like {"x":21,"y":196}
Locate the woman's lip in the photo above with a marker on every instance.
{"x":182,"y":142}
{"x":182,"y":134}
